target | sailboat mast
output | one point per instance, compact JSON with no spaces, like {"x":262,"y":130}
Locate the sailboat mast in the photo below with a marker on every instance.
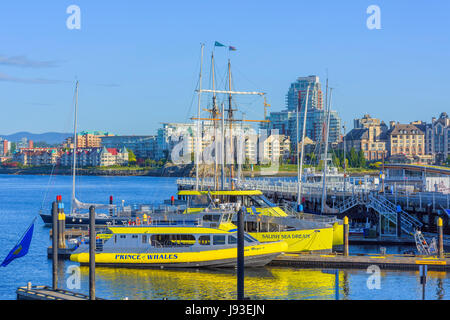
{"x":222,"y":148}
{"x":230,"y":119}
{"x":300,"y":165}
{"x":215,"y":113}
{"x":324,"y":190}
{"x":197,"y":140}
{"x":74,"y":164}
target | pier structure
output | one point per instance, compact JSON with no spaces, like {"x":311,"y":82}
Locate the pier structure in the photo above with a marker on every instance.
{"x":416,"y":209}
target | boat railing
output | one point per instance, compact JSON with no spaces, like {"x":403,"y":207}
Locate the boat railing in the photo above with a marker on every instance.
{"x":307,"y":216}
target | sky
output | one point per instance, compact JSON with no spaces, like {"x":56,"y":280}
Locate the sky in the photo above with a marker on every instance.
{"x":138,"y":62}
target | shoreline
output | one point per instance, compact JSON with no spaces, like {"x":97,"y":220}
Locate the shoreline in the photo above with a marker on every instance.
{"x":182,"y":171}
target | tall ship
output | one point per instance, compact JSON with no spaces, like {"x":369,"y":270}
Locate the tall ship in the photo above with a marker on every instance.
{"x":264,"y":220}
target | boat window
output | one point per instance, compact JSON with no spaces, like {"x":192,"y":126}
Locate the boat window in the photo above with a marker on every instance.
{"x":226,"y":217}
{"x":249,"y":238}
{"x":122,"y":236}
{"x":204,"y":240}
{"x":267,"y":201}
{"x":172,"y":240}
{"x":199,"y":201}
{"x":257,"y":202}
{"x":211,"y":218}
{"x":218,"y":240}
{"x":134,"y":236}
{"x":232,"y":240}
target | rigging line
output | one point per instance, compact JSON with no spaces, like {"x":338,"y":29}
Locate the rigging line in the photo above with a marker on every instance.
{"x":195,"y":76}
{"x":48,"y":187}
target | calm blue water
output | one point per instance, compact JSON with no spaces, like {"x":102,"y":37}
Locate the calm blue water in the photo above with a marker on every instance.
{"x":21,"y":198}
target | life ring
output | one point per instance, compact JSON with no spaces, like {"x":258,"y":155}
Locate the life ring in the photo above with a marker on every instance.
{"x":138,"y":221}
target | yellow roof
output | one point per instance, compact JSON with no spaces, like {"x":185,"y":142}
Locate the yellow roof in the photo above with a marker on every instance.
{"x":221,"y":193}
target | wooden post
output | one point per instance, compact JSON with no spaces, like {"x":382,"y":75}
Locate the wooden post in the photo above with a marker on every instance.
{"x":55,"y":244}
{"x":92,"y":252}
{"x":399,"y":221}
{"x":346,"y":231}
{"x":441,"y":238}
{"x":240,"y":254}
{"x":61,"y":226}
{"x":111,"y":202}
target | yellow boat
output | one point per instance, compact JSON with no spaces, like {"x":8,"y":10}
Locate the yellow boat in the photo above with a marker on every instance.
{"x":268,"y":222}
{"x":171,"y":242}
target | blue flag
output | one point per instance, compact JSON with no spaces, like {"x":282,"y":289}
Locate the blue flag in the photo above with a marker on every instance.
{"x":21,"y":248}
{"x":218,"y":44}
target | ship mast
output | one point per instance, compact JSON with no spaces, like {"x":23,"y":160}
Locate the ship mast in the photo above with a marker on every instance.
{"x":230,"y":119}
{"x":215,"y":114}
{"x":197,"y":140}
{"x":300,"y":164}
{"x":215,"y":117}
{"x":327,"y":127}
{"x":74,"y":165}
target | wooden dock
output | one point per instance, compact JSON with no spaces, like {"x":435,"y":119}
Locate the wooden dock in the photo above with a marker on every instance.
{"x":388,"y":261}
{"x":47,"y":293}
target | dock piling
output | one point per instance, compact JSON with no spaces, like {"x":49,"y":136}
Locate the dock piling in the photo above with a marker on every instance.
{"x":240,"y":254}
{"x":92,"y":243}
{"x":61,"y":226}
{"x":346,"y":232}
{"x":440,"y":238}
{"x":55,"y":244}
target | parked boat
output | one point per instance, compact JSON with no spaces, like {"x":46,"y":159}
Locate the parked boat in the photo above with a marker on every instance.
{"x":208,"y":240}
{"x":267,"y":222}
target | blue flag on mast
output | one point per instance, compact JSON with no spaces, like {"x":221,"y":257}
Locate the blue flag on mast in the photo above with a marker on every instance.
{"x":21,"y":248}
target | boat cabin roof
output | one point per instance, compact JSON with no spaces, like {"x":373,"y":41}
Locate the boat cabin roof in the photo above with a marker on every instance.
{"x":221,"y":193}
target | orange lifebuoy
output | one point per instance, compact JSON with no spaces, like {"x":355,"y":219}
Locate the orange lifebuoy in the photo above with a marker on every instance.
{"x":138,"y":221}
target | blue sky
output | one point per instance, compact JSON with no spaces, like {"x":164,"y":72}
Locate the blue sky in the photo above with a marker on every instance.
{"x":138,"y":61}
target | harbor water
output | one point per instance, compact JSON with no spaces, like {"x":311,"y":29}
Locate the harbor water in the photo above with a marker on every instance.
{"x":22,"y":196}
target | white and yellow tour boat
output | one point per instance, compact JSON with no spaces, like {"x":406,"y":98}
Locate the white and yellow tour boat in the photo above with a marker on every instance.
{"x":174,"y":240}
{"x":266,"y":221}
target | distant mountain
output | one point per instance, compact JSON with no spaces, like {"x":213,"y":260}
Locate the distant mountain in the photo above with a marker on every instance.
{"x":47,"y":137}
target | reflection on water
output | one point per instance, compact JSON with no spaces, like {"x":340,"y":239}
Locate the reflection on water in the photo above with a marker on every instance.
{"x":200,"y":284}
{"x":21,"y":197}
{"x":267,"y":283}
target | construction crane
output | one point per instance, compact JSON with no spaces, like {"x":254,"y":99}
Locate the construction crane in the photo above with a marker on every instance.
{"x":265,"y":107}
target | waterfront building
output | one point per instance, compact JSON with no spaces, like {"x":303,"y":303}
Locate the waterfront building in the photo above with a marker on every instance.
{"x":96,"y":157}
{"x":369,"y":135}
{"x":438,"y":138}
{"x":297,"y":93}
{"x":406,"y":143}
{"x":24,"y":143}
{"x":5,"y":147}
{"x":143,"y":147}
{"x":285,"y":121}
{"x":87,"y":139}
{"x":179,"y":140}
{"x":37,"y":156}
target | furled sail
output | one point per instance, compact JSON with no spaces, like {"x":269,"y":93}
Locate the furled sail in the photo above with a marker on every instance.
{"x":76,"y":204}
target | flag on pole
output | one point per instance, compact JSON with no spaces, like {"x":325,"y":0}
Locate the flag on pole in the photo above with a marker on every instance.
{"x":218,"y":44}
{"x":21,"y":248}
{"x":231,"y":48}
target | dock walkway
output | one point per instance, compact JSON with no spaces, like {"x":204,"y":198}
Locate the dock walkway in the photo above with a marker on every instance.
{"x":47,"y":293}
{"x":389,"y":262}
